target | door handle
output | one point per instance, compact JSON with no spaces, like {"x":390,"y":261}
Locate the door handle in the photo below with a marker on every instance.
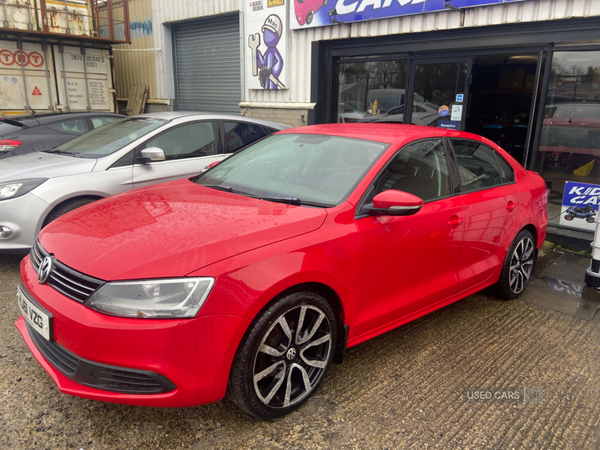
{"x":455,"y":221}
{"x":511,"y":206}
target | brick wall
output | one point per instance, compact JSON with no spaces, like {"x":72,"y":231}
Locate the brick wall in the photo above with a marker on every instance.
{"x":292,"y":117}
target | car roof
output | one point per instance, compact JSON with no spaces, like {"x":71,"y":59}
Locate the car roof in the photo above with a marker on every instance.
{"x":172,"y":115}
{"x":381,"y":132}
{"x":29,"y":120}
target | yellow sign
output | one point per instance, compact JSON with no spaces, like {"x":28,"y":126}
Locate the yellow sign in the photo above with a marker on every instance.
{"x":271,"y":3}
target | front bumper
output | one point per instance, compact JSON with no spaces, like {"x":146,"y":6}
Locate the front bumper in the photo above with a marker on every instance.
{"x":193,"y":356}
{"x":23,"y":215}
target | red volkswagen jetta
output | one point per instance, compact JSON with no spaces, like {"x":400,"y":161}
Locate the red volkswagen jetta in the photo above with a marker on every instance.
{"x":255,"y":275}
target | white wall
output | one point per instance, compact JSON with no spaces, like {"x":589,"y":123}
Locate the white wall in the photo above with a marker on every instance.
{"x":165,"y":11}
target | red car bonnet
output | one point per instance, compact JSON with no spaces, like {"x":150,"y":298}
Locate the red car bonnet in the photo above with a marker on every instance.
{"x":170,"y":230}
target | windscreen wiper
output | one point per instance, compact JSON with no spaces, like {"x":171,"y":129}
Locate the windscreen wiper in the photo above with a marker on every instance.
{"x":295,"y":201}
{"x":222,"y":187}
{"x":57,"y":152}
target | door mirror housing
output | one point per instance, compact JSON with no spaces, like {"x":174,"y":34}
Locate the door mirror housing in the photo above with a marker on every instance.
{"x":151,"y":154}
{"x":395,"y":203}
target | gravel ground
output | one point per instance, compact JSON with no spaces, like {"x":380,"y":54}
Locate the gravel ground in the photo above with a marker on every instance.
{"x":405,"y":389}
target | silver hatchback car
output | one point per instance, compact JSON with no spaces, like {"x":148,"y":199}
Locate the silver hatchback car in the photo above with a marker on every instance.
{"x":135,"y":152}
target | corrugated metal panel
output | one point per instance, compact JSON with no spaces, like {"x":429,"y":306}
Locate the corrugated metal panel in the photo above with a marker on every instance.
{"x":165,"y":11}
{"x":134,"y":64}
{"x":208,"y":72}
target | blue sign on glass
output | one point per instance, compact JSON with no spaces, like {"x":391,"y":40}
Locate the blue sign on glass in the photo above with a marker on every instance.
{"x":581,"y":194}
{"x":318,"y":13}
{"x":459,"y":97}
{"x":448,"y":124}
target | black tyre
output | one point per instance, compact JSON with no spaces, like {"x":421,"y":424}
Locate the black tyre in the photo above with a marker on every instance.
{"x":590,"y":219}
{"x":284,"y":356}
{"x":66,"y":207}
{"x":309,"y":17}
{"x":518,"y":266}
{"x":569,"y":217}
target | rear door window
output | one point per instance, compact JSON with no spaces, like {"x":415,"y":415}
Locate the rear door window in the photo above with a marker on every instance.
{"x":480,"y":166}
{"x":240,"y":134}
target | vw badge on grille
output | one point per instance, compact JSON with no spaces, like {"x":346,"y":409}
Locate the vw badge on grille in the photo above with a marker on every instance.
{"x":45,"y":269}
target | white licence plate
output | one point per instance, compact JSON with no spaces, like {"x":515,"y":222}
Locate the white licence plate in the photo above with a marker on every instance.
{"x":40,"y":320}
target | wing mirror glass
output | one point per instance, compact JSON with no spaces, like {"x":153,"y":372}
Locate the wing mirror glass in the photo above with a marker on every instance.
{"x":151,"y":154}
{"x":395,"y":203}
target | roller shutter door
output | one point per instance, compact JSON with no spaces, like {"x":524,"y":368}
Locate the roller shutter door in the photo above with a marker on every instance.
{"x":207,"y":65}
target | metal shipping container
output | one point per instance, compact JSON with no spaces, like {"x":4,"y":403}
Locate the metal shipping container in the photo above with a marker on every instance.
{"x":55,"y":76}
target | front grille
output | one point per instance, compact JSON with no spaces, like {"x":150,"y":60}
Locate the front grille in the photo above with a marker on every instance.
{"x":100,"y":376}
{"x":65,"y":280}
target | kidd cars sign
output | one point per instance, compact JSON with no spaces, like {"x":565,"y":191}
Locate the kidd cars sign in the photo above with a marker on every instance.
{"x":317,"y":13}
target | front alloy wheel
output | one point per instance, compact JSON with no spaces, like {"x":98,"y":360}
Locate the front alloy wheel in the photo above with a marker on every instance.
{"x":285,"y":356}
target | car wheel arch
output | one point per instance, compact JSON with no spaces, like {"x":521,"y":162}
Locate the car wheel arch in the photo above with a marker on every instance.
{"x":329,"y":294}
{"x":46,"y":219}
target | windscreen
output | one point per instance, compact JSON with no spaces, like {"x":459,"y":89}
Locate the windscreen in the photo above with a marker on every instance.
{"x":108,"y":139}
{"x":307,"y":167}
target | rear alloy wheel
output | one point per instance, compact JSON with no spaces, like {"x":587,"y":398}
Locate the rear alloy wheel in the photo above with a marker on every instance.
{"x":284,"y":356}
{"x":518,"y":266}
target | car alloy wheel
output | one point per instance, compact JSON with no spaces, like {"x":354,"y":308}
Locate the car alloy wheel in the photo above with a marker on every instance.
{"x":521,"y":265}
{"x":518,"y":266}
{"x":285,"y":355}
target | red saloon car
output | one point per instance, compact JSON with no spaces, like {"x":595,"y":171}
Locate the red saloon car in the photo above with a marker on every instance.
{"x":255,"y":275}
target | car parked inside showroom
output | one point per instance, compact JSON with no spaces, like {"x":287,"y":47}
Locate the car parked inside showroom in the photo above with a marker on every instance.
{"x":138,"y":151}
{"x":20,"y":134}
{"x":256,"y":275}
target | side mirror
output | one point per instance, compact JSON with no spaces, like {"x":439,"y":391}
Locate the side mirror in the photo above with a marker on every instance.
{"x":211,"y":165}
{"x":395,"y":203}
{"x":151,"y":154}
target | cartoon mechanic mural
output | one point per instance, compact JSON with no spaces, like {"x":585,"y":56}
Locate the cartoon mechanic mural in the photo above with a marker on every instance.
{"x":268,"y":65}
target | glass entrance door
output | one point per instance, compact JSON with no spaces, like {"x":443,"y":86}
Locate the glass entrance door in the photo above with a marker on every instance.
{"x":439,"y":91}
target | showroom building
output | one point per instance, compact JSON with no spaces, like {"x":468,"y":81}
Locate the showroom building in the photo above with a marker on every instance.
{"x":524,"y":73}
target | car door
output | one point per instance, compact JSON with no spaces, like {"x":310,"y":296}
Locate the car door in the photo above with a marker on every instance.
{"x":409,"y":263}
{"x":189,"y":149}
{"x":490,"y":194}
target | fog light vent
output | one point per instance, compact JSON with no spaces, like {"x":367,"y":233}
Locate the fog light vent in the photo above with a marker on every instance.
{"x":5,"y":232}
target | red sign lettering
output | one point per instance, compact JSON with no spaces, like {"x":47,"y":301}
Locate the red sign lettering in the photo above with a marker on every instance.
{"x":9,"y":58}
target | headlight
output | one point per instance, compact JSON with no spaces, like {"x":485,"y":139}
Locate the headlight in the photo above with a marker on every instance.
{"x":152,"y":299}
{"x":18,"y":188}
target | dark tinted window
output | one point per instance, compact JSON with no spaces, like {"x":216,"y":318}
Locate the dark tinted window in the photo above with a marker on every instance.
{"x":239,"y":134}
{"x":187,"y":141}
{"x":477,"y":165}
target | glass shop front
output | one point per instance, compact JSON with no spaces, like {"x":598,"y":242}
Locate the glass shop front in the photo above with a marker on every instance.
{"x":539,"y":101}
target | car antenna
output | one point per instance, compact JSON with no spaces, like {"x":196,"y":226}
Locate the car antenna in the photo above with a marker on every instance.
{"x":249,"y":104}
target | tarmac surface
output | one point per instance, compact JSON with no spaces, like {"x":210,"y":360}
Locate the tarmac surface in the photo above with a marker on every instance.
{"x":414,"y":387}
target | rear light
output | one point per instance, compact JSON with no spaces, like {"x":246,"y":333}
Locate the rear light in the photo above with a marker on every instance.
{"x":8,"y":144}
